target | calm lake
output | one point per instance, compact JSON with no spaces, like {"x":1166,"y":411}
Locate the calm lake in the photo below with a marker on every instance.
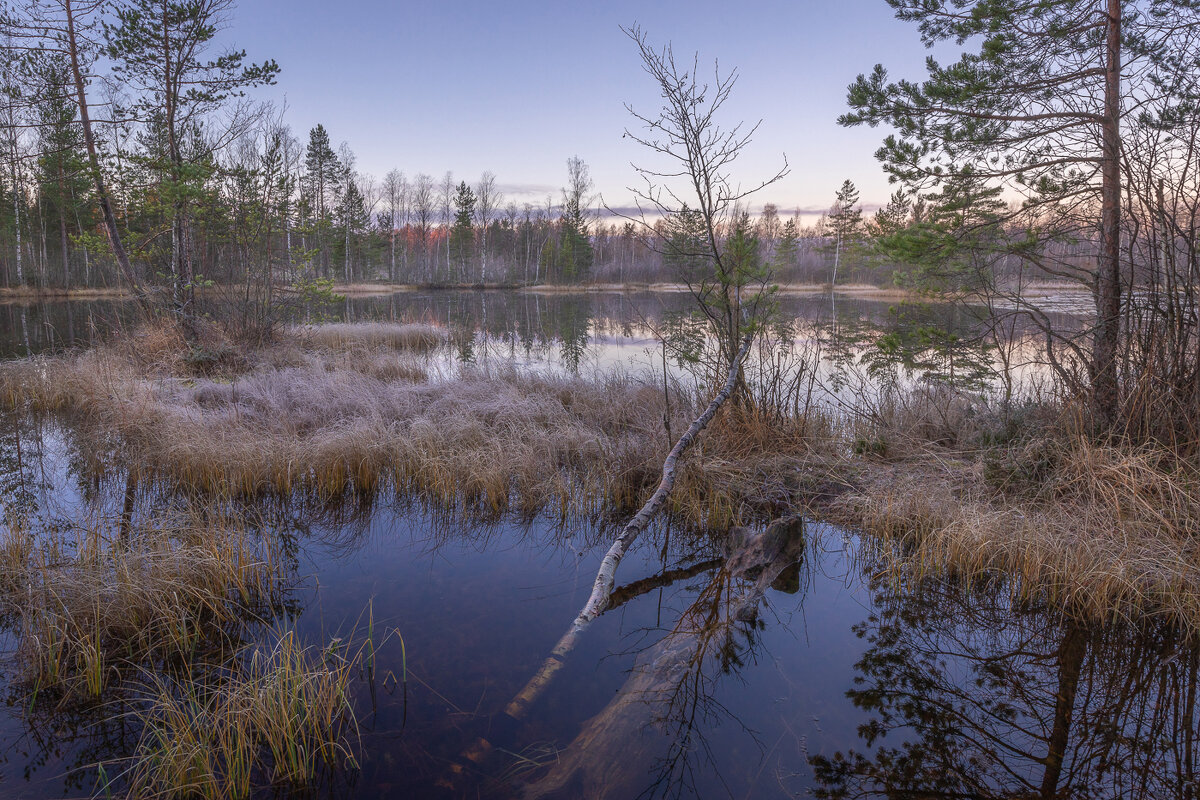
{"x":840,"y":680}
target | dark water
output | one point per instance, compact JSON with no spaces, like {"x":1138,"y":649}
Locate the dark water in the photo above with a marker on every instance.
{"x":844,"y":681}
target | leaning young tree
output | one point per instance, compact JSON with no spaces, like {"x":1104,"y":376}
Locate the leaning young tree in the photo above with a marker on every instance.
{"x":1036,"y":108}
{"x":702,"y":152}
{"x":691,"y":184}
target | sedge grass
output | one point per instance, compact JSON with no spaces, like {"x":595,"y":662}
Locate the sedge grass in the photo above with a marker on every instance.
{"x":280,"y":721}
{"x":91,"y":611}
{"x":1103,"y":531}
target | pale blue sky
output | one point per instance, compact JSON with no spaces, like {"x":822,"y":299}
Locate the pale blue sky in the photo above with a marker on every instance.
{"x":518,"y":87}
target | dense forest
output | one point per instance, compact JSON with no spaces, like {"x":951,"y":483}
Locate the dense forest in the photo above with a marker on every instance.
{"x":205,"y":184}
{"x":104,"y":133}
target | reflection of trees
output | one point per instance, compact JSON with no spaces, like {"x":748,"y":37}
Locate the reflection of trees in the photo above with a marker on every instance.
{"x":20,"y":448}
{"x":972,"y":697}
{"x":651,"y":740}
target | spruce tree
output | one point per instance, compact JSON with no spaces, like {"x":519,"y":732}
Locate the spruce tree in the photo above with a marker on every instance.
{"x":845,"y":223}
{"x":789,"y":247}
{"x":323,"y":177}
{"x":575,"y":253}
{"x":63,"y":181}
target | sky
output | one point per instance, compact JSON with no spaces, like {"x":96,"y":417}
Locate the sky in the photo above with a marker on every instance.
{"x":519,"y":87}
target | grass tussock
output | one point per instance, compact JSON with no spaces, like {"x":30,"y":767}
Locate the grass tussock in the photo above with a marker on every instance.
{"x":1101,"y":529}
{"x":280,"y":721}
{"x":91,"y":613}
{"x":327,"y":423}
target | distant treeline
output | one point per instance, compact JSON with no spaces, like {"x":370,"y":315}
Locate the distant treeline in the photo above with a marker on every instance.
{"x":200,"y":184}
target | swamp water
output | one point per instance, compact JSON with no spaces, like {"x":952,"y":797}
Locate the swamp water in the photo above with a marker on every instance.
{"x":841,"y":679}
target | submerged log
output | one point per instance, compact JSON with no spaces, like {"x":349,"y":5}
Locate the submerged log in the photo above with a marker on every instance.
{"x":601,"y":596}
{"x":615,"y":753}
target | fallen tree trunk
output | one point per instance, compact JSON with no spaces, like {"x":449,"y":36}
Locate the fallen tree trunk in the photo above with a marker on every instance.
{"x":606,"y":575}
{"x":641,"y":738}
{"x":602,"y":589}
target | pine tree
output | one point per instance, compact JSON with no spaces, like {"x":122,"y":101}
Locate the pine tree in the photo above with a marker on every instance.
{"x":894,"y":216}
{"x":1036,"y":106}
{"x":462,"y":233}
{"x":159,"y":51}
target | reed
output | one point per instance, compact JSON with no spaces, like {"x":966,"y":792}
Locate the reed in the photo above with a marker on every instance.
{"x":93,"y":611}
{"x":279,"y":721}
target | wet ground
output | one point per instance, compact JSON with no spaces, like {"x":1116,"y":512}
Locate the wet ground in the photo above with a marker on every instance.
{"x":840,"y":679}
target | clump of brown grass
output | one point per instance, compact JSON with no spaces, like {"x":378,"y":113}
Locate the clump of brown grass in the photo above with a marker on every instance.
{"x":279,"y":720}
{"x":1103,"y":530}
{"x":411,"y":336}
{"x":753,"y":465}
{"x":92,"y":612}
{"x":325,"y":423}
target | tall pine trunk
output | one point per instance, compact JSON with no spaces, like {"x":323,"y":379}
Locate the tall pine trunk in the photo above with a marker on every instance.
{"x":110,"y":220}
{"x":1104,"y":374}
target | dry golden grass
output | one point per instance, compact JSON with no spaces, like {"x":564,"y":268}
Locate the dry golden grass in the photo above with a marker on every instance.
{"x":278,"y":721}
{"x":325,"y":422}
{"x":93,"y":612}
{"x":1103,"y":531}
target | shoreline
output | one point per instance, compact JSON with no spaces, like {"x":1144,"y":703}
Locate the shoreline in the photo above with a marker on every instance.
{"x":35,"y":293}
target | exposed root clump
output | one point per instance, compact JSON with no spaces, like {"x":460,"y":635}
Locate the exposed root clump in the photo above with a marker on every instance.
{"x":280,"y":720}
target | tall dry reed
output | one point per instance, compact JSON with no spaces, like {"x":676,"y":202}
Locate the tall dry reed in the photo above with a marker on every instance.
{"x":94,"y":610}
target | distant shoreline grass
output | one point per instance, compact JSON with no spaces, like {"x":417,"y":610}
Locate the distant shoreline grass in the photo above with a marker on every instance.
{"x":18,"y":294}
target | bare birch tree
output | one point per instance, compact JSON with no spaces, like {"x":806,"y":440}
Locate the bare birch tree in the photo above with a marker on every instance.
{"x":692,"y":183}
{"x":488,"y":200}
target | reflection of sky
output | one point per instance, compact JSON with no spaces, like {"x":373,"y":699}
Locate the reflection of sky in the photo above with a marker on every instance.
{"x":478,"y":607}
{"x":519,"y":87}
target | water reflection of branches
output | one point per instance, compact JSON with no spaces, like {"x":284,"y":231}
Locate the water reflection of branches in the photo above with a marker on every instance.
{"x":992,"y":699}
{"x":674,"y":686}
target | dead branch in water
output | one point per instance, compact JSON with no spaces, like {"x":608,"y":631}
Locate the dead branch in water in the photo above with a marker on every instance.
{"x":602,"y":588}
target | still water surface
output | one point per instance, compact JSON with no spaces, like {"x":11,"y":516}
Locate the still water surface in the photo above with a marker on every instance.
{"x":844,"y":681}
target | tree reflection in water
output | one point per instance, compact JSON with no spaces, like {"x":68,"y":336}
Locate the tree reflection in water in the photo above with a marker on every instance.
{"x":651,"y":740}
{"x":971,"y":695}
